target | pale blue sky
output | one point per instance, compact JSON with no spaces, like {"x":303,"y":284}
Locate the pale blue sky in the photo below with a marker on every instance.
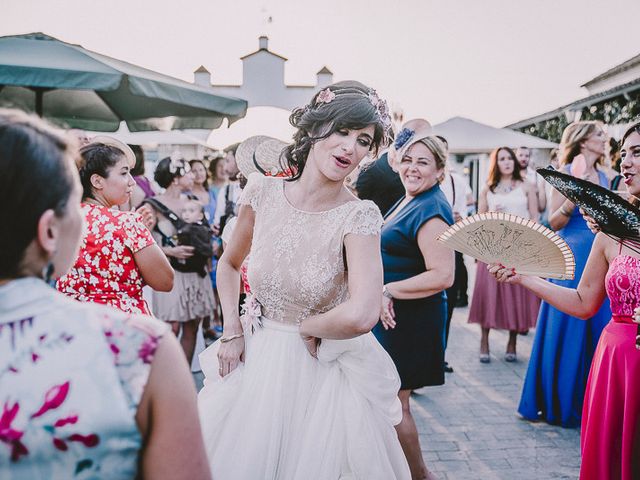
{"x":496,"y":61}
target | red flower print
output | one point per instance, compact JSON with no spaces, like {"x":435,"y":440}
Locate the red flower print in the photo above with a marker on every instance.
{"x":66,"y":421}
{"x":87,"y":440}
{"x":60,"y":444}
{"x":9,"y":435}
{"x":53,"y":399}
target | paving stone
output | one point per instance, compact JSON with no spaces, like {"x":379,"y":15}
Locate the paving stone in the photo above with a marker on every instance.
{"x":469,"y":427}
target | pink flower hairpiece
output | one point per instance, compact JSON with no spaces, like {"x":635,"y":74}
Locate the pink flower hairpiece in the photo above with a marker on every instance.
{"x":382,"y":109}
{"x":325,"y":96}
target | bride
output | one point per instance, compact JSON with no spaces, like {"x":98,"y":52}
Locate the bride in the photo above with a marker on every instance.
{"x":297,"y":387}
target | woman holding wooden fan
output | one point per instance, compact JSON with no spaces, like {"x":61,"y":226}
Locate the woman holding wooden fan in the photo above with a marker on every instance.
{"x":563,"y":347}
{"x":505,"y":307}
{"x":610,"y":437}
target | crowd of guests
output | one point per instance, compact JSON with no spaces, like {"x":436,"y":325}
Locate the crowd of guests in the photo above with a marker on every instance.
{"x":172,"y":255}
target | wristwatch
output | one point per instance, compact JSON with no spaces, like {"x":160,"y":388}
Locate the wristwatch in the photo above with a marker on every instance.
{"x":387,"y":293}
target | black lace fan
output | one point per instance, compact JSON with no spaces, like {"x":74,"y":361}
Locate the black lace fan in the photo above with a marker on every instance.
{"x":615,"y":216}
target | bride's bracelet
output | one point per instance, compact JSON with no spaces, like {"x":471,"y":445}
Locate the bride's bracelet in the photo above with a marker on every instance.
{"x":230,"y":337}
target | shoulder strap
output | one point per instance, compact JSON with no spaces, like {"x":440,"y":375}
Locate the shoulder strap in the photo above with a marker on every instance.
{"x":453,"y":189}
{"x":166,"y":211}
{"x":615,"y":183}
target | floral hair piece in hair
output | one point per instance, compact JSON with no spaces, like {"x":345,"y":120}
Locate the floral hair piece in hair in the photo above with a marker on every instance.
{"x":403,"y":137}
{"x":325,"y":96}
{"x":178,"y":165}
{"x":382,"y":109}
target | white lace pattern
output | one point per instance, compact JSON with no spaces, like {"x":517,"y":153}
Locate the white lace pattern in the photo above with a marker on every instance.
{"x":296,"y":267}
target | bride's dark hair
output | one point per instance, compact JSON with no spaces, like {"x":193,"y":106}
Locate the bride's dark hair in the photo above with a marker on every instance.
{"x":347,"y":104}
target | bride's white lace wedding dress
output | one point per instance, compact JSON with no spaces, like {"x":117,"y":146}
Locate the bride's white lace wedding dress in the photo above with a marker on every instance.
{"x":283,"y":414}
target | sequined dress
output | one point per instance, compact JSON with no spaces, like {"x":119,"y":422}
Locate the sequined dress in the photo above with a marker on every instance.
{"x":610,"y":436}
{"x":283,"y":414}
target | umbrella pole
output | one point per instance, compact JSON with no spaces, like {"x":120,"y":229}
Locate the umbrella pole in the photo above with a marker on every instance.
{"x":39,"y":95}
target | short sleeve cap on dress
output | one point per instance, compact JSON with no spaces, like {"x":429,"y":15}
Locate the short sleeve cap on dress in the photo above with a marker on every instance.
{"x":252,"y":192}
{"x":365,"y":219}
{"x":135,"y":235}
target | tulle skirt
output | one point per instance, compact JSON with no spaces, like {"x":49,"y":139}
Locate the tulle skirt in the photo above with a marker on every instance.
{"x":283,"y":415}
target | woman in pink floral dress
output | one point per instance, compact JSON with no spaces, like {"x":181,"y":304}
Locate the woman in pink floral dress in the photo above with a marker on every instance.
{"x":118,"y":255}
{"x":83,"y":387}
{"x":610,"y":436}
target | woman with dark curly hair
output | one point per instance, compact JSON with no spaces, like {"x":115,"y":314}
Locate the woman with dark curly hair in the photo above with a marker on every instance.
{"x":298,"y":387}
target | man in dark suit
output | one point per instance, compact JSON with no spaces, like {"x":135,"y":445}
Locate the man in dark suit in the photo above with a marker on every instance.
{"x":380,"y":184}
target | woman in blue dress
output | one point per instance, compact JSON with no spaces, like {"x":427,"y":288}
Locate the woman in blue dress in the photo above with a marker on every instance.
{"x":555,"y":383}
{"x":417,"y":270}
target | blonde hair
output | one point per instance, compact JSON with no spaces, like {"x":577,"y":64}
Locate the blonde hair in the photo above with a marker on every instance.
{"x":433,"y":144}
{"x":573,"y":137}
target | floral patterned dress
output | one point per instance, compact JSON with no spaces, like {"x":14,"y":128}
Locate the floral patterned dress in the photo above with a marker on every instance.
{"x":71,"y":378}
{"x":105,"y":270}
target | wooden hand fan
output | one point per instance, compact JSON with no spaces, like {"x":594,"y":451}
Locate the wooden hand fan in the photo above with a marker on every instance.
{"x":528,"y":247}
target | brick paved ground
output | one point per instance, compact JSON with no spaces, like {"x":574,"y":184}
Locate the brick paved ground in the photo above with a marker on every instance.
{"x":469,"y":428}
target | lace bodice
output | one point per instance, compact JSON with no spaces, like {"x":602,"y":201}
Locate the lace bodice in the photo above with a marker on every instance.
{"x":296,"y":267}
{"x":623,"y":285}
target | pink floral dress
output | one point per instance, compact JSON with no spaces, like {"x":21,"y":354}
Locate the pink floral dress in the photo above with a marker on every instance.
{"x":105,"y":270}
{"x":71,"y":377}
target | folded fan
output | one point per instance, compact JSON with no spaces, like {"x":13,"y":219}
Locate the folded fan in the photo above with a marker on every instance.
{"x":526,"y":246}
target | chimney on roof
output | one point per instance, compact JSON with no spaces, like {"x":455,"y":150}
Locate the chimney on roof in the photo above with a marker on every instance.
{"x":324,"y":77}
{"x":202,"y":77}
{"x":263,"y":42}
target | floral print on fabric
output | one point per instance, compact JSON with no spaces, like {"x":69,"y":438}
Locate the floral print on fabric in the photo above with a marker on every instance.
{"x":623,"y":285}
{"x":105,"y":270}
{"x":71,"y":379}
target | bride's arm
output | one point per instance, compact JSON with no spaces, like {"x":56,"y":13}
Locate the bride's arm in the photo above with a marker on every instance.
{"x":360,"y":312}
{"x":228,"y":274}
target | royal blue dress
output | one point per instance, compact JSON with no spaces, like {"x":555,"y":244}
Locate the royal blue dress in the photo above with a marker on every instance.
{"x":416,"y":344}
{"x":562,"y":350}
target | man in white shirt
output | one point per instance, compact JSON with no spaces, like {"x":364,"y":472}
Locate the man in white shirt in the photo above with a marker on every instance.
{"x":528,"y":172}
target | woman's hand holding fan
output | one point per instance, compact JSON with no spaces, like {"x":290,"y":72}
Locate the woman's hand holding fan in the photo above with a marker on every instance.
{"x":505,"y":239}
{"x":503,"y":274}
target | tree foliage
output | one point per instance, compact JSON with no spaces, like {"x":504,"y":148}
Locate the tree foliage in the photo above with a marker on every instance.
{"x":612,"y":111}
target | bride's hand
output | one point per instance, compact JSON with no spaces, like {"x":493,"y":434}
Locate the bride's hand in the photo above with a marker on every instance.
{"x":311,"y":343}
{"x":387,"y":313}
{"x":230,"y":355}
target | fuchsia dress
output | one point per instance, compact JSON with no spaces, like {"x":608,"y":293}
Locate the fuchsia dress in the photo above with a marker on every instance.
{"x":611,"y":414}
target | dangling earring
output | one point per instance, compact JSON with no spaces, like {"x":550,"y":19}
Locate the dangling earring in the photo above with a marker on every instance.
{"x":47,"y":272}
